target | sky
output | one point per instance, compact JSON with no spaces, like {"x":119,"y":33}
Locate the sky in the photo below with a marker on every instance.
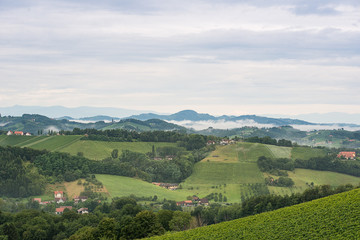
{"x":215,"y":56}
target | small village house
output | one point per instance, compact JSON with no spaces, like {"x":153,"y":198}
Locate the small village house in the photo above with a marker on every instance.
{"x":347,"y":155}
{"x":61,"y":209}
{"x":83,"y":210}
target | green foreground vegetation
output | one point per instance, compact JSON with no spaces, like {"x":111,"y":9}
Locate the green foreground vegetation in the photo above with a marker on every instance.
{"x":333,"y":217}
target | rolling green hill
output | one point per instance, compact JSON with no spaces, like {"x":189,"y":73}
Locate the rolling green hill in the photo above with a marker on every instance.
{"x":333,"y":217}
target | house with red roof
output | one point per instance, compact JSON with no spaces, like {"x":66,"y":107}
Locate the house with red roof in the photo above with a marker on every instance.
{"x":58,"y":194}
{"x":19,"y":133}
{"x":61,"y":209}
{"x":347,"y":155}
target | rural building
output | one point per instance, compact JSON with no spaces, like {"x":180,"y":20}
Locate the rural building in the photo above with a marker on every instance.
{"x":187,"y":203}
{"x":41,"y":202}
{"x":347,"y":155}
{"x":83,"y":210}
{"x":80,"y":199}
{"x":204,"y":201}
{"x":60,"y":200}
{"x":9,"y":133}
{"x":58,"y":194}
{"x":19,"y":133}
{"x":60,"y":210}
{"x":170,"y":186}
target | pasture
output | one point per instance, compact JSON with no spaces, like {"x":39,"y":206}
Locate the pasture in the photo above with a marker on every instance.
{"x":279,"y":152}
{"x":98,"y":150}
{"x":307,"y":152}
{"x":118,"y":186}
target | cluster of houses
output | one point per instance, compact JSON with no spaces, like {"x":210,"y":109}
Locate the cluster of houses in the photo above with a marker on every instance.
{"x":170,"y":186}
{"x":222,"y":142}
{"x":59,"y":198}
{"x":347,"y":155}
{"x":168,"y":157}
{"x":18,"y":133}
{"x":196,"y":201}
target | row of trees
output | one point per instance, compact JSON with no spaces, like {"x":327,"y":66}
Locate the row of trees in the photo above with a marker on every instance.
{"x":270,"y":141}
{"x":189,"y":141}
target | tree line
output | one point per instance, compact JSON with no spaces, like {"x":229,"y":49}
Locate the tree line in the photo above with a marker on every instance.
{"x":270,"y":141}
{"x":189,"y":141}
{"x":325,"y":163}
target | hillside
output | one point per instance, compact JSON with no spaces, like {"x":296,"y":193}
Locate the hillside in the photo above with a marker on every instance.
{"x":333,"y":217}
{"x":33,"y":123}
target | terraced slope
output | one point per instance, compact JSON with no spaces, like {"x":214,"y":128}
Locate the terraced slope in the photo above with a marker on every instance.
{"x":333,"y":217}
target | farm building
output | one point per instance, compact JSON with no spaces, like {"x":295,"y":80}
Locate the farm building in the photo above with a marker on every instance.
{"x":60,"y":210}
{"x":347,"y":155}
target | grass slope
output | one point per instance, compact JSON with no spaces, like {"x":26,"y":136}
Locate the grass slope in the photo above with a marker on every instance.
{"x":307,"y":152}
{"x":303,"y":176}
{"x":230,"y":170}
{"x":118,"y":186}
{"x":333,"y":217}
{"x":280,"y":152}
{"x":99,"y":150}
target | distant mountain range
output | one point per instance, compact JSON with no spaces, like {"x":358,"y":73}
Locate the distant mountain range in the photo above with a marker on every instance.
{"x":95,"y":114}
{"x":36,"y":124}
{"x":190,"y":115}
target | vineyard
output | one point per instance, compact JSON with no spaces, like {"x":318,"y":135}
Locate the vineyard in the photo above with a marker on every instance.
{"x":333,"y":217}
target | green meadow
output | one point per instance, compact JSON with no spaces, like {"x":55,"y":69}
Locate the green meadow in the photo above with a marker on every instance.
{"x":279,"y":152}
{"x":307,"y":152}
{"x":303,"y":177}
{"x":98,"y":150}
{"x":118,"y":186}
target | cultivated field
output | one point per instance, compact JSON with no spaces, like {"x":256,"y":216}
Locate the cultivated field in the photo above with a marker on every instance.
{"x":333,"y":217}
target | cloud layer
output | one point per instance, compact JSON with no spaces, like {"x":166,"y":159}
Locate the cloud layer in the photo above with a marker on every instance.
{"x":171,"y":55}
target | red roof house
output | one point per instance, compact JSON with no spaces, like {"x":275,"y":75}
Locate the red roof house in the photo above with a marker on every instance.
{"x":347,"y":155}
{"x":58,"y":194}
{"x":60,"y":210}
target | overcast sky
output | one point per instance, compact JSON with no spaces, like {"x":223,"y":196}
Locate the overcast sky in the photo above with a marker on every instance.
{"x":214,"y":56}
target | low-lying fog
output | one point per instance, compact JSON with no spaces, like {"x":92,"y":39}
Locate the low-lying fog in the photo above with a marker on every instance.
{"x":222,"y":124}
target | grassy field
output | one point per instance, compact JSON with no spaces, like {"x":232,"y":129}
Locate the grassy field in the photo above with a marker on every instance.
{"x":280,"y":152}
{"x":250,"y":152}
{"x":303,"y":176}
{"x":13,"y":140}
{"x":307,"y":153}
{"x":118,"y":186}
{"x":333,"y":217}
{"x":230,"y":170}
{"x":99,"y":150}
{"x":54,"y":143}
